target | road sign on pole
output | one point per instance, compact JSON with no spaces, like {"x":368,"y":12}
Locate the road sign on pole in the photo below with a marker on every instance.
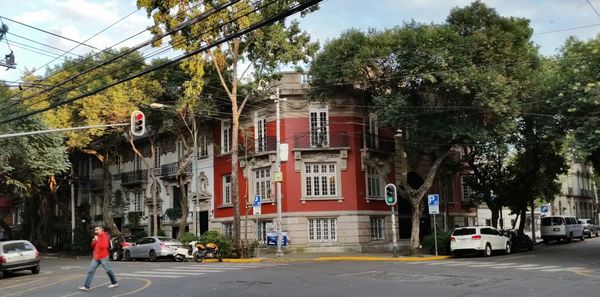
{"x":433,"y":201}
{"x":256,"y":205}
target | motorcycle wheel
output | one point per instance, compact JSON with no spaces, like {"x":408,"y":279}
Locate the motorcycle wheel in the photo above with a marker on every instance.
{"x":198,"y":257}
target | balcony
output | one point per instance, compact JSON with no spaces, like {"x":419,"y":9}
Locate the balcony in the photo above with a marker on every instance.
{"x":379,"y":143}
{"x":170,"y":170}
{"x":318,"y":140}
{"x":135,"y":177}
{"x":260,"y":146}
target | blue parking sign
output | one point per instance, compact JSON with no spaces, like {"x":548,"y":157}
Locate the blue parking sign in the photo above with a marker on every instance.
{"x":433,"y":201}
{"x":256,"y":201}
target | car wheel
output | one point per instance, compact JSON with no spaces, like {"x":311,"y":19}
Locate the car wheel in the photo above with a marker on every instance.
{"x":178,"y":258}
{"x":128,"y":256}
{"x":570,"y":238}
{"x":36,"y":269}
{"x":152,"y":256}
{"x":530,"y":247}
{"x":116,"y":255}
{"x":488,"y":250}
{"x":597,"y":233}
{"x":507,"y":249}
{"x":582,"y":238}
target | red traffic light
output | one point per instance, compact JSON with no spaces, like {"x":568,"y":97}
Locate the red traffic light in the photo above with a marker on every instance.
{"x":139,"y":116}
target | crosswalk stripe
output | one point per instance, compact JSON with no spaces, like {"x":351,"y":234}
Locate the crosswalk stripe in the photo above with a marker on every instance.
{"x":435,"y":263}
{"x":203,"y":268}
{"x":148,"y":275}
{"x":463,"y":263}
{"x":484,"y":264}
{"x":561,"y":269}
{"x":538,"y":268}
{"x":170,"y":272}
{"x":513,"y":266}
{"x":191,"y":271}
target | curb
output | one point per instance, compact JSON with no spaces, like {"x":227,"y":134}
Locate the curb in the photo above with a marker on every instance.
{"x":340,"y":258}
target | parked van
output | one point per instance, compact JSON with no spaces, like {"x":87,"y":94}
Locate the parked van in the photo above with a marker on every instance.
{"x":561,"y":227}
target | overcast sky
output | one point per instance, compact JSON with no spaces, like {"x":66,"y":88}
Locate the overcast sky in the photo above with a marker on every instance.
{"x":81,"y":19}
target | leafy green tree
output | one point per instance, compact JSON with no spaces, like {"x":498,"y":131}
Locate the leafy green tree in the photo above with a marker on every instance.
{"x":27,"y":163}
{"x":444,"y":85}
{"x":264,"y":50}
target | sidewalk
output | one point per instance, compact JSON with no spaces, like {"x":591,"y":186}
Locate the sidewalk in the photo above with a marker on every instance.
{"x":270,"y":257}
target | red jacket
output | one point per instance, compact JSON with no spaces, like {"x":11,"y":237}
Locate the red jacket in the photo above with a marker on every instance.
{"x":101,"y":246}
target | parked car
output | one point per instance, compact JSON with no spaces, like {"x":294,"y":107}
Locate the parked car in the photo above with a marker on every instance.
{"x":118,"y":244}
{"x":16,"y":255}
{"x":561,"y":227}
{"x":482,"y":240}
{"x":589,"y":228}
{"x":151,"y":248}
{"x":519,"y":241}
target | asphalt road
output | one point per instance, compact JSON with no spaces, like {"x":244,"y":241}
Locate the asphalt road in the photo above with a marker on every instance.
{"x":560,"y":269}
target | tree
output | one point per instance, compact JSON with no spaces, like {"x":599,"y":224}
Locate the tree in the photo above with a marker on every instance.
{"x":27,"y":162}
{"x":443,"y":85}
{"x":109,"y":107}
{"x":264,"y":50}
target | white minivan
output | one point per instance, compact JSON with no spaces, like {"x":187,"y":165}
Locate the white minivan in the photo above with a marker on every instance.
{"x":561,"y":227}
{"x":483,"y":239}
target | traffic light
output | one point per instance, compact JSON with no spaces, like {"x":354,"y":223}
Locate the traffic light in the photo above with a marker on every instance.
{"x":138,"y":123}
{"x":390,"y":194}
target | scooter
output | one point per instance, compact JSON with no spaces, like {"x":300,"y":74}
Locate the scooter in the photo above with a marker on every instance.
{"x":186,"y":252}
{"x":208,"y":251}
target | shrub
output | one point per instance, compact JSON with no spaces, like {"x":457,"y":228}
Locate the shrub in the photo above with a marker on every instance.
{"x":161,"y":232}
{"x":189,"y":237}
{"x":139,"y":233}
{"x":173,"y":213}
{"x":134,"y":218}
{"x":81,"y":240}
{"x":443,"y":243}
{"x":224,"y":242}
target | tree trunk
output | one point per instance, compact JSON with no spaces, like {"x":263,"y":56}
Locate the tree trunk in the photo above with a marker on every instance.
{"x":495,"y":215}
{"x":185,"y":209}
{"x":107,"y":214}
{"x":417,"y":213}
{"x":6,"y":228}
{"x":523,"y":219}
{"x":234,"y":184}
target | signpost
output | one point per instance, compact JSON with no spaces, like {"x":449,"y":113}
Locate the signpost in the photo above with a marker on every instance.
{"x":256,"y":206}
{"x":391,"y":199}
{"x":544,"y":209}
{"x":433,"y":201}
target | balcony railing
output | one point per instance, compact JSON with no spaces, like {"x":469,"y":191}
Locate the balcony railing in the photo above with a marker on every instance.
{"x":134,"y":177}
{"x":320,"y":140}
{"x":170,"y":170}
{"x":257,"y":146}
{"x":376,"y":142}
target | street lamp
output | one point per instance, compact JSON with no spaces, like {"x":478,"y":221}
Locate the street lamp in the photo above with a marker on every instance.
{"x":276,"y":98}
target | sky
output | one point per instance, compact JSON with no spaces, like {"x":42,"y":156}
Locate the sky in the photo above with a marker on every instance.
{"x":553,"y":22}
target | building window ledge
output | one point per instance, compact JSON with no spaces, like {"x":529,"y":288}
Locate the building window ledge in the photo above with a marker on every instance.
{"x":305,"y":199}
{"x":225,"y":205}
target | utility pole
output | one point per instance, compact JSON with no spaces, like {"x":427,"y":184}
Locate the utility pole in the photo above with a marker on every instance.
{"x":278,"y":165}
{"x":195,"y":173}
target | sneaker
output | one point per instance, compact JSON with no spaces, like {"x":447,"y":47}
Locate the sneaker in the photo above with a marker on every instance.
{"x":113,"y":285}
{"x":84,"y":288}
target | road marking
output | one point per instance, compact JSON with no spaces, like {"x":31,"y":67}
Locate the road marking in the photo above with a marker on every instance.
{"x":513,"y":266}
{"x":188,"y":270}
{"x":463,"y":263}
{"x":147,"y":284}
{"x":562,"y":269}
{"x":62,"y":280}
{"x":149,"y":275}
{"x":25,"y":282}
{"x":205,"y":268}
{"x":170,"y":272}
{"x":94,"y":287}
{"x":541,"y":267}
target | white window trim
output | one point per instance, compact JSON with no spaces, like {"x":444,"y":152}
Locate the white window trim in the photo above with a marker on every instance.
{"x":226,"y":139}
{"x":381,"y":184}
{"x":257,"y":140}
{"x":338,"y":184}
{"x":226,"y":187}
{"x":322,"y":229}
{"x":318,"y":110}
{"x":462,"y":189}
{"x":380,"y":221}
{"x":269,"y":181}
{"x":373,"y":130}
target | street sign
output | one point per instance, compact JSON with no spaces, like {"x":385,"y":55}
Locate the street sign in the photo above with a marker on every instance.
{"x":256,"y":205}
{"x":272,"y":238}
{"x":277,"y":177}
{"x":433,"y":201}
{"x":544,"y":209}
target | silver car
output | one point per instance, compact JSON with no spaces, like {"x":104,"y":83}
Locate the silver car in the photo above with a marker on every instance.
{"x":16,"y":255}
{"x":589,"y":228}
{"x":151,"y":248}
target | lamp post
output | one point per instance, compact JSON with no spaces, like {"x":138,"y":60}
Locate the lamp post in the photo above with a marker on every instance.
{"x":278,"y":174}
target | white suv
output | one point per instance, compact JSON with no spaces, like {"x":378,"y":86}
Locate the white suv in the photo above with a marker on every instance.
{"x":483,"y":239}
{"x":18,"y":255}
{"x":561,"y":227}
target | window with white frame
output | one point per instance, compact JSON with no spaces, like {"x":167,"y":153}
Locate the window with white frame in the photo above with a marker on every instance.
{"x":374,"y":183}
{"x":322,"y":230}
{"x":202,"y":146}
{"x":228,"y":229}
{"x":319,"y":135}
{"x":466,"y":190}
{"x":180,"y":149}
{"x":321,"y":180}
{"x":138,"y":202}
{"x":260,"y":134}
{"x":377,"y":228}
{"x":225,"y":137}
{"x":227,"y":189}
{"x":156,"y":157}
{"x":373,"y":141}
{"x":262,"y":182}
{"x":262,"y":229}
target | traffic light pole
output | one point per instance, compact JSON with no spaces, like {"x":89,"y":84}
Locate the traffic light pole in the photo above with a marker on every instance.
{"x":395,"y":240}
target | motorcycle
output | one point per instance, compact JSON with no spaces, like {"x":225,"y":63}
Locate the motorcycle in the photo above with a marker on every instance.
{"x":185,"y":253}
{"x":208,"y":251}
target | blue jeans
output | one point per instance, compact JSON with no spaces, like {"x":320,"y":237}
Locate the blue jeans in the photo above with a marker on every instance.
{"x":94,"y":265}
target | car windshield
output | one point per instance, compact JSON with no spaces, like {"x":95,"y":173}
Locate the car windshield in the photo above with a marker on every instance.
{"x":464,"y":231}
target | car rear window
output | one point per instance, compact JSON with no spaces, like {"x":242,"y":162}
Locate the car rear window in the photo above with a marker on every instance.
{"x":464,"y":231}
{"x":556,"y":221}
{"x":17,"y":247}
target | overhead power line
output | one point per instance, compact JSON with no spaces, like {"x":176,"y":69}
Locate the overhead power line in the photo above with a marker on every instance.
{"x":263,"y":23}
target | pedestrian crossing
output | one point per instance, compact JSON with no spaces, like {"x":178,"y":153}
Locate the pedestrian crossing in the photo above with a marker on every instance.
{"x":188,"y":270}
{"x":498,"y":265}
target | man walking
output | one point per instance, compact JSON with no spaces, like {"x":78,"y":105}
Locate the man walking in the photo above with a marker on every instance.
{"x":100,"y":245}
